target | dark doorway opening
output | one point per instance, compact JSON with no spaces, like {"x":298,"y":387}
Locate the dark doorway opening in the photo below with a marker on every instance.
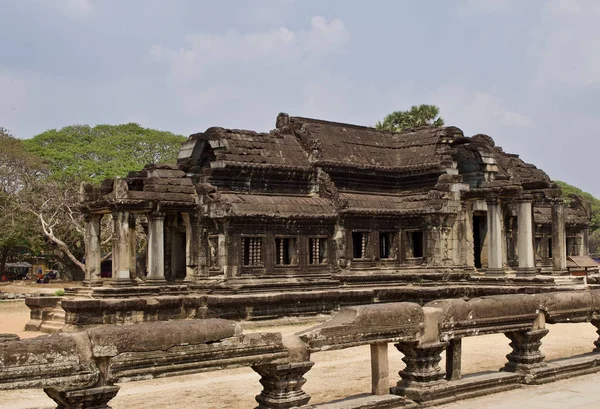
{"x":479,"y":231}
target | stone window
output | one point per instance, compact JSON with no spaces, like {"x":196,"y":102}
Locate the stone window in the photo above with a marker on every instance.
{"x":414,"y":244}
{"x":252,"y":251}
{"x":359,"y":244}
{"x":572,"y":247}
{"x":286,"y":251}
{"x":317,"y":250}
{"x":386,"y":245}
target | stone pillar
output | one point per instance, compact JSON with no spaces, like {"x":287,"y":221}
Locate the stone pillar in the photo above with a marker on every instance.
{"x":433,"y":242}
{"x":525,"y":238}
{"x":584,"y":248}
{"x":494,"y":222}
{"x":453,"y":359}
{"x":120,"y":254}
{"x":526,"y":354}
{"x":132,"y":236}
{"x":93,"y":252}
{"x":559,"y":238}
{"x":156,"y":249}
{"x":282,"y":385}
{"x":422,"y":372}
{"x":380,"y":371}
{"x":92,"y":398}
{"x":192,"y":246}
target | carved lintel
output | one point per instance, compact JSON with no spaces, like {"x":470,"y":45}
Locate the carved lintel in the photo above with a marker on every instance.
{"x":282,"y":385}
{"x":92,"y":398}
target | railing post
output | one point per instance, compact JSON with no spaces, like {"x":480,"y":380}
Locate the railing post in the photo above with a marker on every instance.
{"x":380,"y":371}
{"x":282,"y":385}
{"x":526,"y":354}
{"x":422,"y":370}
{"x":596,"y":323}
{"x":92,"y":398}
{"x":453,"y":359}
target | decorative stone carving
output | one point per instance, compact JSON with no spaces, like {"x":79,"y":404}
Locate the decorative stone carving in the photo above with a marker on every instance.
{"x":526,"y":354}
{"x":282,"y":385}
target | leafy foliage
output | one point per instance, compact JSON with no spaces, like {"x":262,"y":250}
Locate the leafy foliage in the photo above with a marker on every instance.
{"x":80,"y":152}
{"x":568,"y":190}
{"x":415,"y":117}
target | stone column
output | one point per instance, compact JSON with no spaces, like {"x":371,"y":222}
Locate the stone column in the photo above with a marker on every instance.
{"x":93,"y":252}
{"x":494,"y":222}
{"x":192,"y":246}
{"x":526,"y":354}
{"x":282,"y":385}
{"x":584,"y":248}
{"x":132,"y":236}
{"x":120,"y":254}
{"x":433,"y":242}
{"x":422,"y":374}
{"x":380,"y":371}
{"x":525,"y":238}
{"x":156,"y":249}
{"x":559,"y":238}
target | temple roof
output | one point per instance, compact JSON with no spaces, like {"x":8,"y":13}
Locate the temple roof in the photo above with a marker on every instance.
{"x":279,"y":206}
{"x":346,"y":145}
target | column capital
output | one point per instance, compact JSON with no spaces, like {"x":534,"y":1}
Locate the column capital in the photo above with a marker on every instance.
{"x":524,"y":198}
{"x":157,"y":215}
{"x":492,"y":199}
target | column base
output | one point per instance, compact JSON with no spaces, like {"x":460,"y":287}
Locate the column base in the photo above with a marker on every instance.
{"x":495,"y":272}
{"x":93,"y":283}
{"x":155,"y":281}
{"x":526,"y":271}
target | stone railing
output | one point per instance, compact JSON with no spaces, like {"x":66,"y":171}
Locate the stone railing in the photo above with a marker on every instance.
{"x":80,"y":369}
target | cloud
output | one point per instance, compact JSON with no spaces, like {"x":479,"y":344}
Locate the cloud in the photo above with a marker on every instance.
{"x":275,"y":47}
{"x":566,"y":44}
{"x":74,"y":9}
{"x":468,"y":8}
{"x":476,"y":111}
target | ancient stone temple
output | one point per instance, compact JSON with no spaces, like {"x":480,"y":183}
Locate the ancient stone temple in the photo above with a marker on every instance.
{"x":318,"y":214}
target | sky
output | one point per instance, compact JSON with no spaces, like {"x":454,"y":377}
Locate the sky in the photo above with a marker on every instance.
{"x":526,"y":73}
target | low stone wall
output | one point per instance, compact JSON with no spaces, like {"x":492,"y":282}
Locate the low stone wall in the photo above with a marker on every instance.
{"x":150,"y":304}
{"x":78,"y":370}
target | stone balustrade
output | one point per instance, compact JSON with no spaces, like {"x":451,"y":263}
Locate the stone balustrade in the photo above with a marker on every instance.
{"x":79,"y":370}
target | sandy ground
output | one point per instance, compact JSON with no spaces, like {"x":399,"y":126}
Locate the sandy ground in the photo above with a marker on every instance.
{"x":336,"y":374}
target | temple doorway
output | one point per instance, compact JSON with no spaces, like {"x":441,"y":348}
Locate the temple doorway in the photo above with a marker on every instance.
{"x":479,"y":233}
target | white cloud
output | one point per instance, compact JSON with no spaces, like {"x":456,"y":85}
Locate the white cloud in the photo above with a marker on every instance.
{"x":566,"y":44}
{"x":278,"y":46}
{"x":476,"y":111}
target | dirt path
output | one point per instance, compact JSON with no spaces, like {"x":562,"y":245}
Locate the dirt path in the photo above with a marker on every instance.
{"x":336,"y":374}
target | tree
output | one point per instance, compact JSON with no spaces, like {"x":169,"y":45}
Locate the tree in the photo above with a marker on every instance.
{"x":18,"y":171}
{"x":417,"y":116}
{"x":80,"y":152}
{"x":568,"y":190}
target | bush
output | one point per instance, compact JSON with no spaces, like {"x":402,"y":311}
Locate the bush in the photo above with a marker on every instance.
{"x":59,"y":293}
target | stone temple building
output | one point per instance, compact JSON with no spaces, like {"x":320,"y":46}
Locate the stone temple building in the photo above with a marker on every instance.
{"x":317,"y":206}
{"x":324,"y":203}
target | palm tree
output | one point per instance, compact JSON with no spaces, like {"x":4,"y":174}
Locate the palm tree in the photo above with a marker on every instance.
{"x":417,"y":116}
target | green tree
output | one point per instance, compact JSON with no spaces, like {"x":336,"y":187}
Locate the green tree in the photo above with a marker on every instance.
{"x":415,"y":117}
{"x":568,"y":190}
{"x":80,"y":152}
{"x":18,"y":171}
